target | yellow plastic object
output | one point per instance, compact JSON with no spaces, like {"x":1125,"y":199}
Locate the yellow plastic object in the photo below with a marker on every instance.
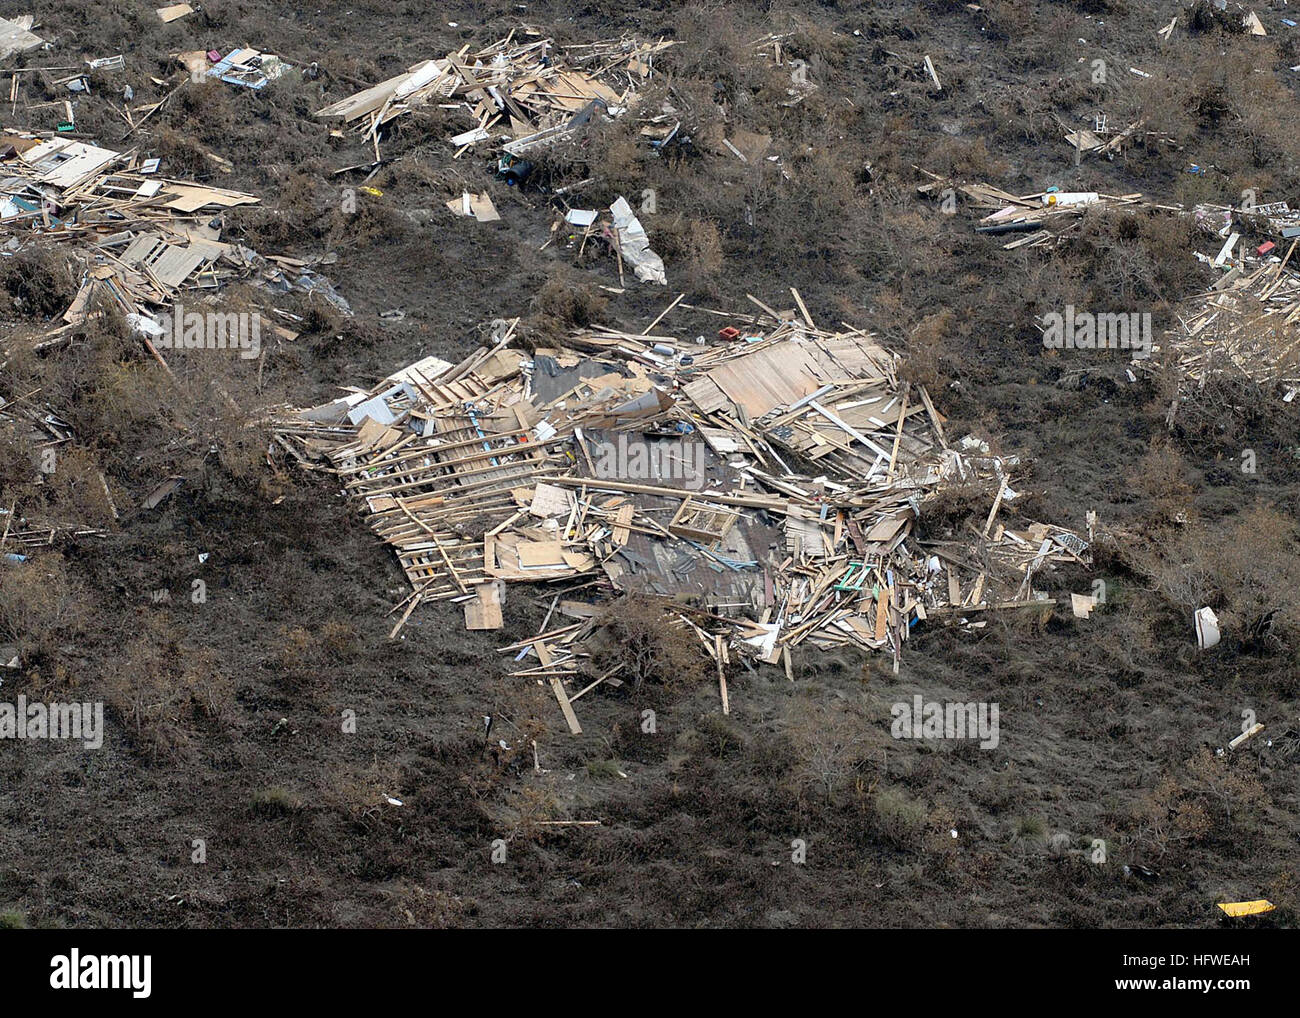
{"x":1241,"y":908}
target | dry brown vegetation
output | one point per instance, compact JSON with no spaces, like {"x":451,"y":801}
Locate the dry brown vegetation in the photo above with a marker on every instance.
{"x":1243,"y":567}
{"x":635,"y":633}
{"x":564,"y":303}
{"x":41,"y":605}
{"x":166,"y":694}
{"x":1208,"y":802}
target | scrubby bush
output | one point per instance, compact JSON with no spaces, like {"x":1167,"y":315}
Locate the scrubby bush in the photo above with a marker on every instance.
{"x":635,"y":632}
{"x":36,"y":282}
{"x":1206,"y":801}
{"x":41,"y":604}
{"x":693,"y":247}
{"x":563,"y":304}
{"x":273,"y":802}
{"x":1161,"y":477}
{"x":899,"y":819}
{"x":1245,"y":568}
{"x":165,"y":693}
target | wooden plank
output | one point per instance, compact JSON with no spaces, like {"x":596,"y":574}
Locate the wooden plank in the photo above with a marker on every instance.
{"x":662,"y":314}
{"x":484,"y":611}
{"x":719,"y":651}
{"x":775,"y":317}
{"x":997,"y":504}
{"x":934,"y":416}
{"x":803,"y":308}
{"x":621,"y":525}
{"x":557,"y":686}
{"x":898,"y":436}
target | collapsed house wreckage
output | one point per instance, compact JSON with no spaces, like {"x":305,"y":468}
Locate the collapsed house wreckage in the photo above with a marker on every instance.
{"x":524,"y":97}
{"x":144,"y":239}
{"x":16,"y":36}
{"x":521,"y":94}
{"x":141,"y":237}
{"x":1249,"y":323}
{"x":669,"y":469}
{"x":1246,"y":322}
{"x":145,"y":243}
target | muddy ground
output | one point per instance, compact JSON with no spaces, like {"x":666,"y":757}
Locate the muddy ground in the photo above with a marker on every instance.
{"x":224,"y":718}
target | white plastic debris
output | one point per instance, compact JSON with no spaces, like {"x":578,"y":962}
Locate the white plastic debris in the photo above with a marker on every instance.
{"x":634,"y":245}
{"x":1207,"y":629}
{"x":580,"y":217}
{"x":470,"y":137}
{"x":1062,"y":198}
{"x":143,"y":325}
{"x":1082,"y":605}
{"x":417,"y":79}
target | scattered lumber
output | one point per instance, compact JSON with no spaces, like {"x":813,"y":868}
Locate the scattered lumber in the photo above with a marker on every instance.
{"x":648,"y":465}
{"x":522,"y":93}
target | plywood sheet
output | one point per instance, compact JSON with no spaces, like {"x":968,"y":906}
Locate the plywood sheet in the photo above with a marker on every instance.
{"x":776,"y":376}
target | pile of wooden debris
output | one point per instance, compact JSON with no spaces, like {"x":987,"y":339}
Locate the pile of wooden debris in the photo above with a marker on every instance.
{"x":771,"y":478}
{"x":1244,"y":323}
{"x":525,"y":93}
{"x":1248,"y":324}
{"x":1044,"y":218}
{"x":143,"y":239}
